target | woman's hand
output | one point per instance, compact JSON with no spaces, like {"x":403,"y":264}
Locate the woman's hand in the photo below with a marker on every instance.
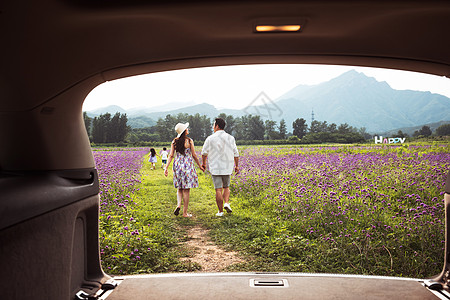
{"x":166,"y":172}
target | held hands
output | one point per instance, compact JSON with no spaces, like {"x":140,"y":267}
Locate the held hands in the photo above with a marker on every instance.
{"x":203,"y":168}
{"x":236,"y":170}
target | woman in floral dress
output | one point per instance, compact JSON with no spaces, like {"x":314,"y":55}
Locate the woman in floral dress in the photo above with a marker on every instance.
{"x":184,"y":174}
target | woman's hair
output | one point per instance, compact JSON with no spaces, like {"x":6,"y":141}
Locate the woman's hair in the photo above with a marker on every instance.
{"x":152,"y":151}
{"x":179,"y":143}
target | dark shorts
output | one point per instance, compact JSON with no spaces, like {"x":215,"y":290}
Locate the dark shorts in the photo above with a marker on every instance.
{"x":221,"y":181}
{"x":164,"y":161}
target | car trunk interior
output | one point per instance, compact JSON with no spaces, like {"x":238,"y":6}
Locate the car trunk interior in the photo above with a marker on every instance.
{"x":55,"y":52}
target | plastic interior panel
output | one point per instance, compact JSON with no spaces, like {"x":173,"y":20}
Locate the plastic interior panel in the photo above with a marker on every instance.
{"x":29,"y":194}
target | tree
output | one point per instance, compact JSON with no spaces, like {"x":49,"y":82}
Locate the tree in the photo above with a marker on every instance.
{"x":199,"y":127}
{"x":282,"y":129}
{"x":363,"y":132}
{"x":344,"y":128}
{"x":241,"y":128}
{"x":332,"y":128}
{"x":196,"y":131}
{"x":300,"y":127}
{"x":424,"y":131}
{"x":443,"y":130}
{"x":316,"y":127}
{"x":113,"y":128}
{"x":400,"y":134}
{"x":100,"y":128}
{"x":270,"y":132}
{"x":110,"y":130}
{"x":124,"y":129}
{"x":255,"y":128}
{"x":165,"y":128}
{"x":207,"y":126}
{"x":117,"y":128}
{"x":87,"y":123}
{"x":146,"y":134}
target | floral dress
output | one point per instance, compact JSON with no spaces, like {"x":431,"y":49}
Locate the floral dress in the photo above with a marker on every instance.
{"x":184,"y":174}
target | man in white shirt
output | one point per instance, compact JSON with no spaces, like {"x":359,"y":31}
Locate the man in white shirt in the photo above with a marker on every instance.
{"x":222,"y":153}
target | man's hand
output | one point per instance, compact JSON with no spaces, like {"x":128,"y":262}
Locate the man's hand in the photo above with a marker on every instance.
{"x":236,"y":170}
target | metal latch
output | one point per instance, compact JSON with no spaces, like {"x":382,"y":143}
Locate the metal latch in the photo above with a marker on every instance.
{"x":433,"y":285}
{"x":110,"y":284}
{"x":269,"y":283}
{"x":107,"y":286}
{"x":82,"y":295}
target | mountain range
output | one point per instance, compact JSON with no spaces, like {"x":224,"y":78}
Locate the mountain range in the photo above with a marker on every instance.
{"x":351,"y":98}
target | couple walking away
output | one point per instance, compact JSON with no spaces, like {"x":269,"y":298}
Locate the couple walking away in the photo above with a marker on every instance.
{"x":222,"y":154}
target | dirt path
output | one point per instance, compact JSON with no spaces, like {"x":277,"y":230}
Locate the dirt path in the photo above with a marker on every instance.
{"x":206,"y":253}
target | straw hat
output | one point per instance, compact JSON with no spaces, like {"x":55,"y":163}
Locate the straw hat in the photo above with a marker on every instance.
{"x":180,"y":128}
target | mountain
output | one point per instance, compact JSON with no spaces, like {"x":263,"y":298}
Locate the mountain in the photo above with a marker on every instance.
{"x":351,"y":98}
{"x":112,"y":109}
{"x":139,"y":111}
{"x":362,"y":101}
{"x":141,"y":122}
{"x":202,"y":109}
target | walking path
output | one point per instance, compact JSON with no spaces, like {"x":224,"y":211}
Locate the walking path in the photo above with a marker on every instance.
{"x":206,"y":253}
{"x":203,"y":251}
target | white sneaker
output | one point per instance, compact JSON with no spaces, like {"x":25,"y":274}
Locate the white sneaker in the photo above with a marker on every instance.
{"x":219,"y":214}
{"x":227,"y":207}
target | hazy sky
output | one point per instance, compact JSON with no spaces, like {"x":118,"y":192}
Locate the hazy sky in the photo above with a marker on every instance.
{"x":236,"y":86}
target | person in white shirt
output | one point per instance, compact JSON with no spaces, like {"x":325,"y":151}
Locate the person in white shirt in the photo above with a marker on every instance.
{"x":222,"y":153}
{"x":164,"y":155}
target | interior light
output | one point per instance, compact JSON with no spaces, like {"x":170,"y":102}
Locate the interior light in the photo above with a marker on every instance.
{"x":278,"y":28}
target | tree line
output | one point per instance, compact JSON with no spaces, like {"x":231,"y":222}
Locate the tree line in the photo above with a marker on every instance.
{"x":107,"y":129}
{"x":250,"y":128}
{"x":425,"y":131}
{"x":114,"y":129}
{"x":247,"y":127}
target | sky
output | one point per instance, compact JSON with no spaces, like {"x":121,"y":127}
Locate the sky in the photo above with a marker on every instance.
{"x":236,"y":86}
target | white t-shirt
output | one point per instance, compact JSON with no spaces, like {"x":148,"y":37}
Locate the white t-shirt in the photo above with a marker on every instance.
{"x":221,"y":150}
{"x":164,"y":154}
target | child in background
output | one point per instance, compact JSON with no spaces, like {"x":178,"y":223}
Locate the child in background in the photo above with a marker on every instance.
{"x":164,"y":155}
{"x":152,"y":158}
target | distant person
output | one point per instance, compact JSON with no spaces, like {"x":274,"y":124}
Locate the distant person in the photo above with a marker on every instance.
{"x":184,"y":174}
{"x":222,"y":153}
{"x":152,"y":158}
{"x":164,"y":154}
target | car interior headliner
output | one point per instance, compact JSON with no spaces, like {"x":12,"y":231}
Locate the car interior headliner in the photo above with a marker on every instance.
{"x":50,"y":46}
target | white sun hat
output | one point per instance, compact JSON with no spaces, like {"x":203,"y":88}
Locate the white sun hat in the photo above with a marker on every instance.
{"x":180,"y":128}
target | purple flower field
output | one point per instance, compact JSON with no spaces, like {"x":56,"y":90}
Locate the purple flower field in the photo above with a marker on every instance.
{"x":379,"y":209}
{"x":134,"y":238}
{"x":374,"y":210}
{"x":119,"y":175}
